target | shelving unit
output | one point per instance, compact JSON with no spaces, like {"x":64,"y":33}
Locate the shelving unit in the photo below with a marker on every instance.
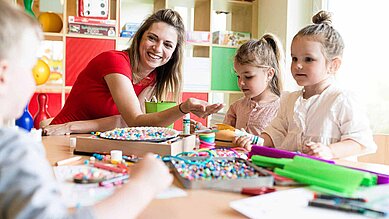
{"x":199,"y":15}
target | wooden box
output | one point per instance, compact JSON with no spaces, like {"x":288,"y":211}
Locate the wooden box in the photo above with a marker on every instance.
{"x":93,"y":144}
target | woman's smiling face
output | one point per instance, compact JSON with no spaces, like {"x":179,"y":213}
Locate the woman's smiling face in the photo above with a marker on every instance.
{"x":157,"y":46}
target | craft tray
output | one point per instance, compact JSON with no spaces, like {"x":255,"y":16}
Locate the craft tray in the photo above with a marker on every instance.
{"x":234,"y":185}
{"x":92,"y":144}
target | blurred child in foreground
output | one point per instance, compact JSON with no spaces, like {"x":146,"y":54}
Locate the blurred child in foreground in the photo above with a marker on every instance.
{"x":27,"y":185}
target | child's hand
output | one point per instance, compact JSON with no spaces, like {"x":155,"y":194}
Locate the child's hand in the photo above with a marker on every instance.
{"x":195,"y":125}
{"x":318,"y":150}
{"x":152,"y":173}
{"x":243,"y":141}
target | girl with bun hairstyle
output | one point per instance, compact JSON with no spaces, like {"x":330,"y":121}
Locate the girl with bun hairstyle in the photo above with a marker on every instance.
{"x":322,"y":119}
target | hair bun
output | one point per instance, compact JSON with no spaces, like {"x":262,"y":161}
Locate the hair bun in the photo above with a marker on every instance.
{"x":322,"y":17}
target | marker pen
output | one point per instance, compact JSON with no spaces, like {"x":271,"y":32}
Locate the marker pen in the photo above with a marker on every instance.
{"x":114,"y":180}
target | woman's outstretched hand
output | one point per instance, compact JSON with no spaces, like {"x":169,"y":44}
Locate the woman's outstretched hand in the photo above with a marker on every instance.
{"x":200,"y":108}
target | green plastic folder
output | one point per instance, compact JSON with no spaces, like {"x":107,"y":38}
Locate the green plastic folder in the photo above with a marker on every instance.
{"x":269,"y":161}
{"x":329,"y":177}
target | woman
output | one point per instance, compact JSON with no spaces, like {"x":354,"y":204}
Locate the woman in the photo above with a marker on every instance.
{"x":105,"y":94}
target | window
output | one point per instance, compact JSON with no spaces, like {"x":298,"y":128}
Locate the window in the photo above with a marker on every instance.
{"x":365,"y":69}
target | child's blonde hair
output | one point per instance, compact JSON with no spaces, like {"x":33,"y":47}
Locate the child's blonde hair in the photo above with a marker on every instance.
{"x":266,"y":51}
{"x":13,"y":24}
{"x":323,"y":32}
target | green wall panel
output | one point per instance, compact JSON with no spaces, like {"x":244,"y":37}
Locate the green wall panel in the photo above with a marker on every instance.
{"x":223,"y":76}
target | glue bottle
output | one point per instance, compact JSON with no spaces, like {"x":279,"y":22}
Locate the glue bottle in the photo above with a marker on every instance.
{"x":186,"y":124}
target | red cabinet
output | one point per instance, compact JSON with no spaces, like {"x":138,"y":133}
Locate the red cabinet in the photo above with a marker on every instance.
{"x":185,"y":96}
{"x":79,"y":51}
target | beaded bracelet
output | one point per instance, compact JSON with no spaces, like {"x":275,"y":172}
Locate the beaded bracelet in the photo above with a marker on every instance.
{"x":179,"y":107}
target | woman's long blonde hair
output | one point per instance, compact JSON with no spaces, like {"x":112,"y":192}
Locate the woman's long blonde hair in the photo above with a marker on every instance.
{"x":169,"y":75}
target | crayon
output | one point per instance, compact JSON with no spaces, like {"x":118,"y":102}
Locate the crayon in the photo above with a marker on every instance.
{"x":69,"y":160}
{"x":109,"y":167}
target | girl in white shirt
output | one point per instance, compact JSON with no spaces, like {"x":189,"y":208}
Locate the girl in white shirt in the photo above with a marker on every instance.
{"x":321,"y":120}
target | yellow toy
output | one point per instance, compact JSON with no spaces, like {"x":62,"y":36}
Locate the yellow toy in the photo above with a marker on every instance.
{"x":41,"y":72}
{"x":51,"y":22}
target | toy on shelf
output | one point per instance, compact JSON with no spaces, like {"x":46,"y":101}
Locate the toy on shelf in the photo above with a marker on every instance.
{"x":129,"y":30}
{"x":42,"y":113}
{"x":41,"y":72}
{"x":51,"y":52}
{"x":50,"y":22}
{"x":93,"y":9}
{"x":28,"y":7}
{"x":25,"y":121}
{"x":230,"y":38}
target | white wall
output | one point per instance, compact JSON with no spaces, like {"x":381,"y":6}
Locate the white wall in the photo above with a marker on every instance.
{"x":272,"y":18}
{"x":285,"y":18}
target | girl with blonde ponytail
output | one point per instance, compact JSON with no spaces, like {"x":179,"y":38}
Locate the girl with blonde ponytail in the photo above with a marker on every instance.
{"x":258,"y":65}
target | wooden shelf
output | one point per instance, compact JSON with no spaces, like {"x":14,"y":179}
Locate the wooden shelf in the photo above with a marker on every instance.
{"x":225,"y":46}
{"x":198,"y":15}
{"x":90,"y":36}
{"x":226,"y":91}
{"x":49,"y":88}
{"x":198,"y":44}
{"x":53,"y":34}
{"x":242,"y":2}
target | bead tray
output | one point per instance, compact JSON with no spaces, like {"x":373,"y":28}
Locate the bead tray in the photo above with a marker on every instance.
{"x":263,"y":179}
{"x":93,"y":144}
{"x":150,"y":134}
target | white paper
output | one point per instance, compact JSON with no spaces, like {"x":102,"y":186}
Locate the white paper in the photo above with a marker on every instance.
{"x":77,"y":195}
{"x":291,"y":203}
{"x":377,"y":196}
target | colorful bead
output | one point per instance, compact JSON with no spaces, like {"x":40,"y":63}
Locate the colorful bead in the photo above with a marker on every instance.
{"x":215,"y":169}
{"x":140,"y":133}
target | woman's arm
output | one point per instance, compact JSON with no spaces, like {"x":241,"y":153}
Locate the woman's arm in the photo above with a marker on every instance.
{"x":103,"y":124}
{"x":128,"y":105}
